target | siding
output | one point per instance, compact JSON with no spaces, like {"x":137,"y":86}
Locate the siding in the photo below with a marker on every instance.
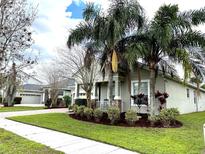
{"x":177,"y":94}
{"x":144,"y":76}
{"x":178,"y":98}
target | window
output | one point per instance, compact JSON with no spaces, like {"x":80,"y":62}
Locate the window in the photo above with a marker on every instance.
{"x":144,"y":88}
{"x":187,"y":91}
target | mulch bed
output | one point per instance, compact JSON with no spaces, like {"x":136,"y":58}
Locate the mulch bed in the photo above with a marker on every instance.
{"x":142,"y":122}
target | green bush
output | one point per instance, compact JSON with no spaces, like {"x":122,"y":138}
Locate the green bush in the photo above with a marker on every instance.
{"x":131,"y":117}
{"x":97,"y":113}
{"x":80,"y":110}
{"x":166,"y":116}
{"x":88,"y":112}
{"x":113,"y":114}
{"x":48,"y":103}
{"x":67,"y":100}
{"x":153,"y":119}
{"x":75,"y":108}
{"x":70,"y":107}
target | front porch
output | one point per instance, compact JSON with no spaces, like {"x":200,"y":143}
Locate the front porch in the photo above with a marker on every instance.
{"x":120,"y":94}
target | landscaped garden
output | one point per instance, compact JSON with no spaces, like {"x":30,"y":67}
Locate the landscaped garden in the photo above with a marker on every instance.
{"x":113,"y":116}
{"x":187,"y":139}
{"x":19,"y":108}
{"x":11,"y":143}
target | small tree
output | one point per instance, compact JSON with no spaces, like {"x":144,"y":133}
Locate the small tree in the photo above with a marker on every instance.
{"x":67,"y":100}
{"x":53,"y":77}
{"x":82,"y":65}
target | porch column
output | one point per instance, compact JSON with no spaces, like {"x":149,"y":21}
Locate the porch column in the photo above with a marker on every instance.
{"x":117,"y":88}
{"x":43,"y":98}
{"x":117,"y":98}
{"x":76,"y":90}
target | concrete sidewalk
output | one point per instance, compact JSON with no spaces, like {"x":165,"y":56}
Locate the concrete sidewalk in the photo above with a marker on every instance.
{"x":60,"y":141}
{"x":32,"y":112}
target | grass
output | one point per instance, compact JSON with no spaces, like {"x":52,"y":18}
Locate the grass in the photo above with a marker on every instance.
{"x":19,"y":108}
{"x":185,"y":140}
{"x":11,"y":143}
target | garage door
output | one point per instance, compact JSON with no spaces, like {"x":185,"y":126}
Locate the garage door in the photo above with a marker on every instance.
{"x":30,"y":99}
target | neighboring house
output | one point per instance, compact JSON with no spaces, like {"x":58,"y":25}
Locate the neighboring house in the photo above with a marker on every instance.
{"x":181,"y":96}
{"x":66,"y":87}
{"x":31,"y":91}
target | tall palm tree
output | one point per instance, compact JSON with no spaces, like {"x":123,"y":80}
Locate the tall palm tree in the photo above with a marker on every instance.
{"x":105,"y":30}
{"x":168,"y":34}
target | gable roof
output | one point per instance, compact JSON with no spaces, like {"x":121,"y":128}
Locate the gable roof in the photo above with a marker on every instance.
{"x":32,"y":87}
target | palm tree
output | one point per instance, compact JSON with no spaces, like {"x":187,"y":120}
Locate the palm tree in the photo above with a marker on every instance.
{"x":104,"y":31}
{"x":168,"y":34}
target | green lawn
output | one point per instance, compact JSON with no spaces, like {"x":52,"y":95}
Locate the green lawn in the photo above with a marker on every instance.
{"x":185,"y":140}
{"x":13,"y":144}
{"x":19,"y":108}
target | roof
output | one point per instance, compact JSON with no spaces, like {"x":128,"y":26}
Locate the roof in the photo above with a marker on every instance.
{"x":32,"y":87}
{"x":66,"y":84}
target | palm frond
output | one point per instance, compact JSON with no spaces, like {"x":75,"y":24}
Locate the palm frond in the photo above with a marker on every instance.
{"x":90,"y":12}
{"x":81,"y":33}
{"x":196,"y":17}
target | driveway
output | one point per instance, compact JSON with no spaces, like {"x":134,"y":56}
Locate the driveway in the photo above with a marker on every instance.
{"x":66,"y":143}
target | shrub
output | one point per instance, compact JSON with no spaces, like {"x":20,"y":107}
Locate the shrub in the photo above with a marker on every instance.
{"x":113,"y":114}
{"x":98,"y":114}
{"x":88,"y":112}
{"x":153,"y":119}
{"x":167,"y":116}
{"x":67,"y":100}
{"x":131,"y":117}
{"x":75,"y":108}
{"x":70,"y":107}
{"x":48,"y":103}
{"x":80,"y":110}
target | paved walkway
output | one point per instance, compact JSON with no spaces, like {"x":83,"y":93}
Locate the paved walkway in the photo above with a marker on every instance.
{"x":60,"y":141}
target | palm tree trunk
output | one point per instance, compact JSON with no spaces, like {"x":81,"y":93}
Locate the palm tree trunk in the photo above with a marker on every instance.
{"x":110,"y":84}
{"x":152,"y":91}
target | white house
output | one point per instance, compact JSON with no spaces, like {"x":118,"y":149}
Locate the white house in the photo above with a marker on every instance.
{"x":66,"y":87}
{"x":181,"y":96}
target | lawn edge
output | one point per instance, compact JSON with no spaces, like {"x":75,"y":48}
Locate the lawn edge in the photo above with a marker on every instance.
{"x":10,"y":118}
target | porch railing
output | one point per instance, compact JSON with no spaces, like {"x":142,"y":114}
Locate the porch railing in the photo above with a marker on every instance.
{"x":103,"y":105}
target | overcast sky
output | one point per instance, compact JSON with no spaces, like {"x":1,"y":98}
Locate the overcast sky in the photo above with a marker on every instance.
{"x":57,"y":17}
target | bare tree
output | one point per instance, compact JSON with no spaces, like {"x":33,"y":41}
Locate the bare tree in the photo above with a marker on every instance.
{"x":54,"y":79}
{"x":16,"y":18}
{"x":13,"y":78}
{"x":81,"y":64}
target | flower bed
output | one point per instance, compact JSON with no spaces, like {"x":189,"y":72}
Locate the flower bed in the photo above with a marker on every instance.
{"x":100,"y":117}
